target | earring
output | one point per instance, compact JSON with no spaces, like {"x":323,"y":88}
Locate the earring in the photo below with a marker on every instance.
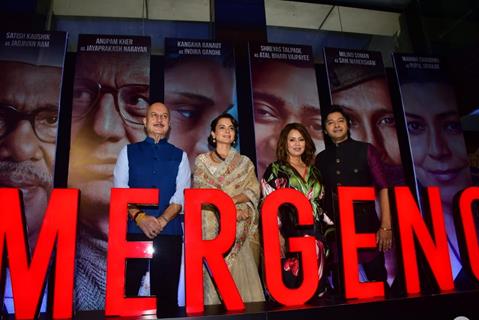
{"x":214,"y":140}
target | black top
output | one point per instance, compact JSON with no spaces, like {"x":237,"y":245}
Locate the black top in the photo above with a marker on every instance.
{"x":352,"y":163}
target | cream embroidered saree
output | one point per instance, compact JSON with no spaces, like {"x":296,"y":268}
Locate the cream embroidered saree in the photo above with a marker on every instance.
{"x":234,"y":176}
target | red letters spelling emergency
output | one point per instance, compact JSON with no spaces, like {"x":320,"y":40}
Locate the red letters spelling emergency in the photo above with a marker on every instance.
{"x":60,"y":224}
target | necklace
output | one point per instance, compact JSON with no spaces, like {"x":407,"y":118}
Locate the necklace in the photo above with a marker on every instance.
{"x":219,"y":156}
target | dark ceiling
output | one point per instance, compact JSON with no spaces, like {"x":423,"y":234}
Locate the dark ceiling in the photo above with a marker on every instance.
{"x":387,"y":5}
{"x":431,"y":8}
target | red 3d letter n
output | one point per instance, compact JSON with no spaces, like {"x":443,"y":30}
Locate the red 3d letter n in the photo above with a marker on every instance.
{"x":412,"y":226}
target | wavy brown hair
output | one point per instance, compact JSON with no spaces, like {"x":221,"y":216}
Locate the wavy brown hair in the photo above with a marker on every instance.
{"x":282,"y":146}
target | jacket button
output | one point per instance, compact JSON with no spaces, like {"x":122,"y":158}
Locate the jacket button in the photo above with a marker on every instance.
{"x":337,"y":160}
{"x":338,"y":172}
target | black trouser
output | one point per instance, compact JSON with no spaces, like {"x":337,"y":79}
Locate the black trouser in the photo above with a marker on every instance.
{"x":164,"y":272}
{"x":375,"y":268}
{"x":366,"y":221}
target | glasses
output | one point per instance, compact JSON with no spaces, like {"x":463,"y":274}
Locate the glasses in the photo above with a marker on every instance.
{"x":44,"y":121}
{"x":131,"y":100}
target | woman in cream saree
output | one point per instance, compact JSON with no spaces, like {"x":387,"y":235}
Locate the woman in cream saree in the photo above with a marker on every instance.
{"x":227,"y":170}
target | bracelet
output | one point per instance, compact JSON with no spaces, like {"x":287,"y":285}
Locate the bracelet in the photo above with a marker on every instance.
{"x":135,"y":215}
{"x":165,"y":218}
{"x":386,"y":229}
{"x":140,"y":217}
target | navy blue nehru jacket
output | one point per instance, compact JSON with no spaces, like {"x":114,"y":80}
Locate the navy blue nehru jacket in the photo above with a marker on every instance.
{"x":155,"y":165}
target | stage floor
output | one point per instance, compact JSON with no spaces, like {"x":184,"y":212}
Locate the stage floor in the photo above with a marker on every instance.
{"x":447,"y":306}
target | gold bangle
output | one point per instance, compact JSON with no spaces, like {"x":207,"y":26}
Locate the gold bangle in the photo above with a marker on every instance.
{"x":140,"y":217}
{"x":385,"y":229}
{"x":135,"y":215}
{"x":165,"y":218}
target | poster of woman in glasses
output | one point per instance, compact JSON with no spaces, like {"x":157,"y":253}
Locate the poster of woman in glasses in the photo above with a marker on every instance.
{"x":110,"y":97}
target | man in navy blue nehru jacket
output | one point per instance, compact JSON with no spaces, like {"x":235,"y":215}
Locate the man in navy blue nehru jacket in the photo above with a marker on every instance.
{"x":155,"y":163}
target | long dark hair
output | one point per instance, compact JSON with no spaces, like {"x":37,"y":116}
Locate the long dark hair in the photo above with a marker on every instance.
{"x":282,"y":146}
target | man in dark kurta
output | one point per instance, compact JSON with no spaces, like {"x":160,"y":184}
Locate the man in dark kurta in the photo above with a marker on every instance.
{"x":348,"y":162}
{"x":155,"y":163}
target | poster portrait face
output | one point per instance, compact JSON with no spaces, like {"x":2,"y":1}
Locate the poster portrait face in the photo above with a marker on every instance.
{"x":110,"y":99}
{"x":283,"y":93}
{"x":358,"y":83}
{"x":369,"y":106}
{"x":29,"y":96}
{"x":436,"y":138}
{"x":197,"y":89}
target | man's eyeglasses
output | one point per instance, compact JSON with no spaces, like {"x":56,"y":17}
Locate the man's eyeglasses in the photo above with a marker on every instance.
{"x":131,"y":100}
{"x":44,"y":121}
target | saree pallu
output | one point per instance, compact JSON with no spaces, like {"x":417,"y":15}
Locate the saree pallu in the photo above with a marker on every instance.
{"x":234,"y":176}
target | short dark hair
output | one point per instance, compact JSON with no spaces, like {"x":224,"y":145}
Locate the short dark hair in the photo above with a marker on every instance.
{"x":282,"y":148}
{"x":335,"y":108}
{"x":214,"y":122}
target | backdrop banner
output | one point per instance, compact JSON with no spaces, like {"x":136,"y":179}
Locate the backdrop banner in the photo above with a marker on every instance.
{"x":110,"y":98}
{"x":31,"y":74}
{"x":284,"y":90}
{"x":199,"y":86}
{"x":358,"y":84}
{"x":436,"y":140}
